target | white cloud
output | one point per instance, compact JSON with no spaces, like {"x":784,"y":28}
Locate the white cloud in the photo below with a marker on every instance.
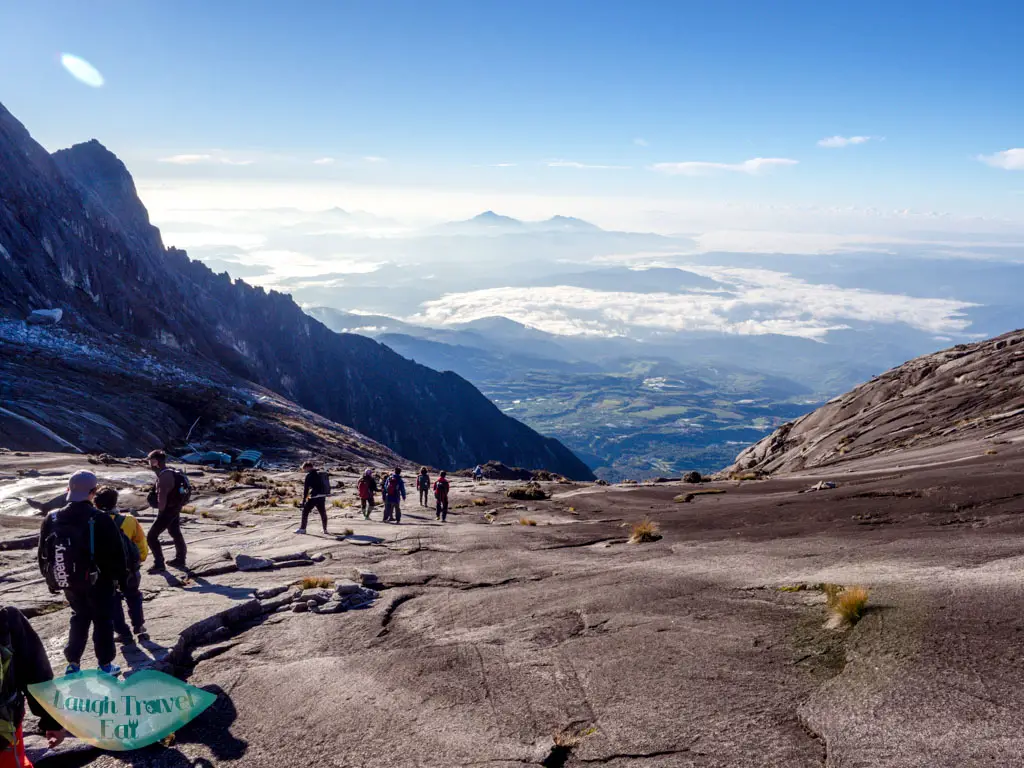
{"x":186,"y":159}
{"x":641,"y":142}
{"x":757,"y":302}
{"x":196,"y":159}
{"x":753,"y":166}
{"x":81,"y":70}
{"x":375,"y":159}
{"x":323,"y":161}
{"x":1008,"y":159}
{"x":573,"y":164}
{"x":838,"y":142}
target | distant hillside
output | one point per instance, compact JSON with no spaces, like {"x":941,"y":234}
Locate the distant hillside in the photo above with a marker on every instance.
{"x":74,"y":235}
{"x":968,"y":391}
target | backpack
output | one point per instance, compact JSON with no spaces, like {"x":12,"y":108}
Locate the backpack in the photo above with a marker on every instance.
{"x":441,"y":488}
{"x":391,"y":487}
{"x":132,"y":556}
{"x":325,"y":483}
{"x":68,"y":554}
{"x":364,"y":488}
{"x":11,"y":703}
{"x":182,"y":491}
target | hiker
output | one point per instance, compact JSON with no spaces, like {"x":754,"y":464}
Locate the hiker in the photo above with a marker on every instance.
{"x":172,"y":492}
{"x":136,"y":551}
{"x":314,"y":495}
{"x":23,"y":662}
{"x":441,"y":496}
{"x":367,"y":487}
{"x":423,"y":486}
{"x":478,"y":472}
{"x":80,"y":552}
{"x":394,"y":491}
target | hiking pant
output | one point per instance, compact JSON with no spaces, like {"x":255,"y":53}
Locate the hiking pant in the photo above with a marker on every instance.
{"x":424,"y":497}
{"x":442,"y":508}
{"x":91,"y":605}
{"x":367,"y":506}
{"x":130,"y":595}
{"x":392,"y":508}
{"x":169,"y":520}
{"x":320,"y":504}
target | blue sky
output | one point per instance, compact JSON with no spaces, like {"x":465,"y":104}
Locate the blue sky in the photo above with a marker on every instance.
{"x":434,"y":96}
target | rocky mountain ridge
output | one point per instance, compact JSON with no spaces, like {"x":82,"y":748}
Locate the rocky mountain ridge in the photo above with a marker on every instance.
{"x":968,"y":391}
{"x":74,"y":235}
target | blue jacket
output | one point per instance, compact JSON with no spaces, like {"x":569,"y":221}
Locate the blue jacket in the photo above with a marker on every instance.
{"x":394,"y":489}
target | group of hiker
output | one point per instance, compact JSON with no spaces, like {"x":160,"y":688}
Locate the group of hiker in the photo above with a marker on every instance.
{"x":93,"y":552}
{"x":316,"y":488}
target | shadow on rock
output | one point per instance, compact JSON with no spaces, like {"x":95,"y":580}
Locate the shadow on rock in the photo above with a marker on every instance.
{"x":199,"y":584}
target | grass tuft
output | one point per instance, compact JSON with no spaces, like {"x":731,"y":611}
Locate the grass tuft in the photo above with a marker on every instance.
{"x":337,"y":504}
{"x":316,"y":582}
{"x":348,"y":532}
{"x":644,"y":531}
{"x":845,"y":604}
{"x":528,"y":492}
{"x":188,"y":510}
{"x":479,"y":502}
{"x":527,"y":521}
{"x":991,"y":452}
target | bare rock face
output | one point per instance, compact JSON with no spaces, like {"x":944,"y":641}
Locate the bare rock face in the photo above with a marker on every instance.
{"x":75,"y":236}
{"x":967,"y":392}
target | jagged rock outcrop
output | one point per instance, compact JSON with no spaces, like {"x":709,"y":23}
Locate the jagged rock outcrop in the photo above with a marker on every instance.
{"x":74,"y":235}
{"x":968,"y":391}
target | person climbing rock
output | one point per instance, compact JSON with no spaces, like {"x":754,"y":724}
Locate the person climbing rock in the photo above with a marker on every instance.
{"x":441,"y":487}
{"x":367,"y":488}
{"x":172,"y":493}
{"x":423,"y":486}
{"x":136,"y":551}
{"x":80,"y":553}
{"x":23,"y":662}
{"x":394,"y":493}
{"x":314,"y":496}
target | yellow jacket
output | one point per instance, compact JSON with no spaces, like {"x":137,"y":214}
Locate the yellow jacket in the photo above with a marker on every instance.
{"x":133,"y":530}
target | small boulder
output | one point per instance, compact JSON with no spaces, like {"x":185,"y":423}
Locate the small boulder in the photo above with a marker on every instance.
{"x":311,"y":605}
{"x":266,"y":594}
{"x":45,"y":317}
{"x":692,"y":477}
{"x":317,"y":595}
{"x":366,"y":578}
{"x":300,"y":607}
{"x":346,"y":587}
{"x":332,"y":606}
{"x":252,"y":563}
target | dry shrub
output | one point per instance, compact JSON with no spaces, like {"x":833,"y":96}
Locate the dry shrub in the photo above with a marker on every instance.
{"x":991,"y":452}
{"x":644,"y":531}
{"x":316,"y":582}
{"x":188,"y":510}
{"x":528,"y":492}
{"x":527,"y":521}
{"x":337,"y":504}
{"x":479,"y":502}
{"x":845,"y":604}
{"x":347,"y":532}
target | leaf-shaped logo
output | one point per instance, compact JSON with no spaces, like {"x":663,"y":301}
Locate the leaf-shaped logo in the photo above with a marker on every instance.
{"x":117,"y":715}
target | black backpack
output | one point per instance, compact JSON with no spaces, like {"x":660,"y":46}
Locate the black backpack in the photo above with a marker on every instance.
{"x":325,"y":483}
{"x":10,"y":697}
{"x":68,"y":558}
{"x":132,"y":556}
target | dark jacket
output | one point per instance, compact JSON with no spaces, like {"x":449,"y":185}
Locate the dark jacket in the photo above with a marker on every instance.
{"x":423,"y":482}
{"x":371,"y":482}
{"x":311,"y":486}
{"x":109,"y":552}
{"x":29,"y":663}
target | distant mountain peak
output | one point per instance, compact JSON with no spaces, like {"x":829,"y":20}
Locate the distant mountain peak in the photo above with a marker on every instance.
{"x":490,"y":217}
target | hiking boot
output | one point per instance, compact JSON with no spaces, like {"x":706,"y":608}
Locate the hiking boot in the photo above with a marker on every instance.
{"x":157,"y":568}
{"x":142,"y":633}
{"x":300,"y":530}
{"x":111,"y":669}
{"x":437,"y":517}
{"x":177,"y":562}
{"x":125,"y":638}
{"x":326,"y":533}
{"x":72,"y":669}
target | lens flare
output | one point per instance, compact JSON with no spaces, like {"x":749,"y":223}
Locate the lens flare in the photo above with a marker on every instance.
{"x":81,"y":70}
